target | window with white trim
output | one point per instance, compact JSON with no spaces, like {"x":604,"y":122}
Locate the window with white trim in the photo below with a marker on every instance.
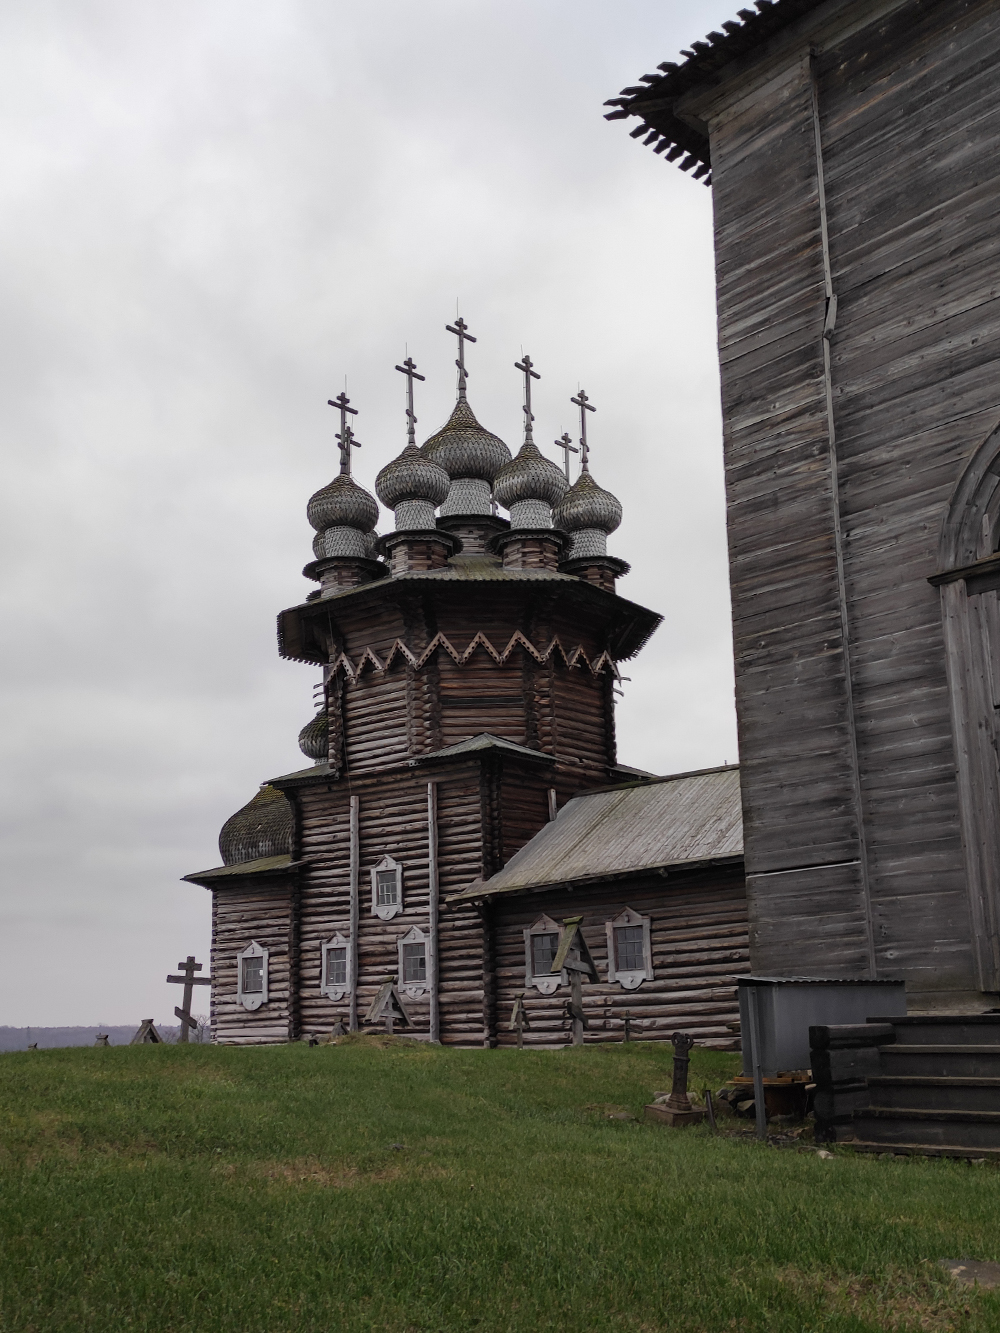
{"x":251,"y":976}
{"x":336,"y":980}
{"x":387,"y":888}
{"x":541,"y":944}
{"x":630,"y":953}
{"x":413,"y":962}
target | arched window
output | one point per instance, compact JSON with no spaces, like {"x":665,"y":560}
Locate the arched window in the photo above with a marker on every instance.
{"x":413,"y":963}
{"x":336,"y":980}
{"x":630,"y":954}
{"x":387,"y":888}
{"x":541,"y":944}
{"x":251,"y":976}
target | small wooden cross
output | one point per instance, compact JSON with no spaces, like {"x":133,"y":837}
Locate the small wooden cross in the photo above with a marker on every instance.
{"x":346,"y":437}
{"x":585,"y":406}
{"x":461,"y":330}
{"x":524,"y":366}
{"x":574,"y":956}
{"x":188,"y":981}
{"x":565,"y":443}
{"x":519,"y":1020}
{"x":409,"y":369}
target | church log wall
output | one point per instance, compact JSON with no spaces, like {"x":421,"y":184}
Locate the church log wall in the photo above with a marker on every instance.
{"x":698,"y":932}
{"x":267,"y":915}
{"x":835,"y":505}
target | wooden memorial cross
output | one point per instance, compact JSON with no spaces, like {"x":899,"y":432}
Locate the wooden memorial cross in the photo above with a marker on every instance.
{"x":388,"y":1005}
{"x":147,"y":1034}
{"x":461,"y":330}
{"x":346,"y":438}
{"x":519,"y":1020}
{"x":188,"y":981}
{"x":565,"y":443}
{"x":574,"y":957}
{"x":585,"y":406}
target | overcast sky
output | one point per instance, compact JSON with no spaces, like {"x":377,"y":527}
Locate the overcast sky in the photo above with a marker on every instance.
{"x":212,"y":211}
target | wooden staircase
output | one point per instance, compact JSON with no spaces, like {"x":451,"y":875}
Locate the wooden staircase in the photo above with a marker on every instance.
{"x":928,"y":1085}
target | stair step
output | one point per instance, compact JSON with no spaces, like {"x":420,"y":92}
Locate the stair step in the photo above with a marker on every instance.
{"x":922,"y":1149}
{"x":929,"y":1093}
{"x":942,"y":1061}
{"x":930,"y":1128}
{"x":944,"y":1029}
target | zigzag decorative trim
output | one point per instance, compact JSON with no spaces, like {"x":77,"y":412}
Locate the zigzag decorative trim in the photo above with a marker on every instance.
{"x":369,"y":658}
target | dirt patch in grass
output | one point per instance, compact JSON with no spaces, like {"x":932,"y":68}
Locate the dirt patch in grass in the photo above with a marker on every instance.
{"x":900,"y":1301}
{"x":311,"y":1171}
{"x":609,"y":1111}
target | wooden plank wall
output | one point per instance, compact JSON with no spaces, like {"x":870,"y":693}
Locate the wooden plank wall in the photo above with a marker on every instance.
{"x":267,"y":915}
{"x":910,"y":115}
{"x":699,"y":939}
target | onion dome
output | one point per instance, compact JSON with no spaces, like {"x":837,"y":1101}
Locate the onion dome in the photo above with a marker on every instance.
{"x":587,"y":506}
{"x":262,"y":828}
{"x":464,"y":448}
{"x":342,"y":504}
{"x":314,"y":738}
{"x":412,"y":476}
{"x":529,"y":476}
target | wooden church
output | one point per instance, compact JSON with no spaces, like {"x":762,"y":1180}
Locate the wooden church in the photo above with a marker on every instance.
{"x":465,"y":800}
{"x":851,"y":147}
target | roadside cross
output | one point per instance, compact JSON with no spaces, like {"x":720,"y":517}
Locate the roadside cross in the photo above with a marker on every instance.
{"x":346,"y":437}
{"x":188,"y":981}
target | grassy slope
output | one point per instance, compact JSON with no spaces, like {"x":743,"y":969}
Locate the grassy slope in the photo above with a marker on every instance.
{"x":193,"y":1188}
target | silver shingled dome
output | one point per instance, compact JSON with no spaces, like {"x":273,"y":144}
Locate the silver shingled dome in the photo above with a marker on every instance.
{"x":529,"y":476}
{"x":464,"y":448}
{"x":412,"y":476}
{"x":587,"y":505}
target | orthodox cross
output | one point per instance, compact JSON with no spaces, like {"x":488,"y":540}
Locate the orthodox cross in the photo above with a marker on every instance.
{"x":409,"y":369}
{"x":583,"y":403}
{"x":524,"y":365}
{"x":188,"y":981}
{"x":565,"y":443}
{"x":460,"y":329}
{"x":346,"y":437}
{"x":574,"y":957}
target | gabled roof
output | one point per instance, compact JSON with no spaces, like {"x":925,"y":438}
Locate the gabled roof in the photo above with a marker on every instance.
{"x":635,"y":828}
{"x":266,"y":865}
{"x":653,"y":98}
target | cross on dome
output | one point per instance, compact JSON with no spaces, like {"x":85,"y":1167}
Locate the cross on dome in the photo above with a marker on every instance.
{"x":525,"y":366}
{"x":585,"y":406}
{"x":461,"y":330}
{"x":346,"y":437}
{"x":409,"y":369}
{"x":565,"y":443}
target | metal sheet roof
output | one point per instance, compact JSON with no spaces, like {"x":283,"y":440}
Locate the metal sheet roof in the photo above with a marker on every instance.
{"x":691,"y":818}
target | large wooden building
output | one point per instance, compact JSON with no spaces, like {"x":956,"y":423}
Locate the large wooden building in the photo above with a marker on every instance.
{"x":469,"y":664}
{"x":851,"y":147}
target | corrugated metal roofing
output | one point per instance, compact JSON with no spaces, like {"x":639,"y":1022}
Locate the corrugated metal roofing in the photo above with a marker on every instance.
{"x":672,"y":822}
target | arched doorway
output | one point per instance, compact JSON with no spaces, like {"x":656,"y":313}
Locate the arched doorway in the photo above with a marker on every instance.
{"x":970,"y":604}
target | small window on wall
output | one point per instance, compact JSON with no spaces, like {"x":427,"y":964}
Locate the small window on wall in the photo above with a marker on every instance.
{"x":630,"y":954}
{"x":251,"y":976}
{"x":541,"y":944}
{"x":413,"y":962}
{"x":336,"y":967}
{"x":387,"y":888}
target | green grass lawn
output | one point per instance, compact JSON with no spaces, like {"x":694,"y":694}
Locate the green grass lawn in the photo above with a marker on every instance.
{"x":404,"y":1187}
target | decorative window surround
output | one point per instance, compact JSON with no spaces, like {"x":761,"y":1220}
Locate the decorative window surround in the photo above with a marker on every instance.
{"x":541,"y":942}
{"x":629,"y":944}
{"x":387,"y":888}
{"x":413,"y":962}
{"x":336,"y":979}
{"x":251,"y":976}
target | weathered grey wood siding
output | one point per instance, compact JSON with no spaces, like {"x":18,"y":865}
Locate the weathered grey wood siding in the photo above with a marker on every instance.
{"x":910,"y":120}
{"x":698,"y":932}
{"x":267,"y":914}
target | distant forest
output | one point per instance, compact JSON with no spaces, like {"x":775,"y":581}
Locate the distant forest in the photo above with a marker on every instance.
{"x":19,"y":1039}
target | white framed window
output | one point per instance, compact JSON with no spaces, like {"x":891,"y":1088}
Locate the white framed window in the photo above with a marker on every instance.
{"x":630,"y":953}
{"x":414,"y":964}
{"x":541,"y":944}
{"x":387,"y":888}
{"x":251,"y":976}
{"x":336,"y":979}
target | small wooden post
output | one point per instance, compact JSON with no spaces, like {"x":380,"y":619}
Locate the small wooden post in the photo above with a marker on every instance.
{"x":432,"y":908}
{"x":188,"y":981}
{"x":355,"y":909}
{"x":628,"y":1025}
